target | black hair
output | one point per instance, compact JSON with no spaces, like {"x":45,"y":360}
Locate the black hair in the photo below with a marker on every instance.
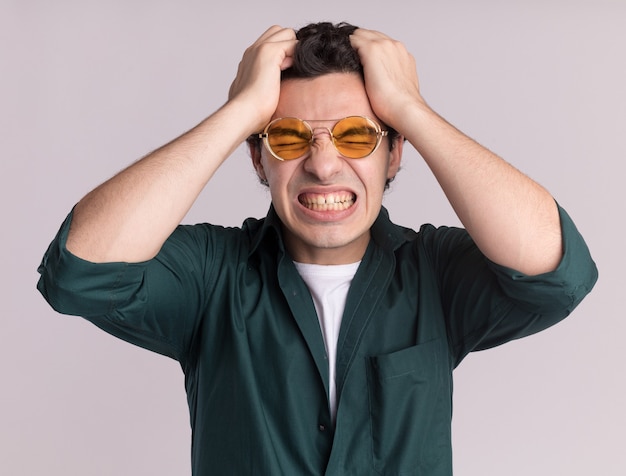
{"x":324,"y":48}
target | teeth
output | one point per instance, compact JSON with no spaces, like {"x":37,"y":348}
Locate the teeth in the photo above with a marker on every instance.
{"x":331,"y":201}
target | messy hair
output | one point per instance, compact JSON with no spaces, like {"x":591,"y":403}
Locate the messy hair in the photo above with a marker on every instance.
{"x":324,"y":48}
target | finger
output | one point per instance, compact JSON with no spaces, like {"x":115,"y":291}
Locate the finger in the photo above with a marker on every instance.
{"x":269,"y":32}
{"x":362,"y":35}
{"x":287,"y":61}
{"x":276,"y":33}
{"x":366,"y":33}
{"x":280,"y":40}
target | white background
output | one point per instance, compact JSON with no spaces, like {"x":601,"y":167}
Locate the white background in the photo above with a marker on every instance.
{"x":88,"y":87}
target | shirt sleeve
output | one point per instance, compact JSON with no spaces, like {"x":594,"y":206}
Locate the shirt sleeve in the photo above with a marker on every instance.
{"x":486,"y":304}
{"x":155,"y":304}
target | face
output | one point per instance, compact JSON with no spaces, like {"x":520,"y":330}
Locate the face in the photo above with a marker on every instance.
{"x":327,"y":203}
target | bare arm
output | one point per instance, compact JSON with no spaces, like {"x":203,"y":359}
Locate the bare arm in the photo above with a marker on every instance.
{"x":512,"y":219}
{"x":129,"y":217}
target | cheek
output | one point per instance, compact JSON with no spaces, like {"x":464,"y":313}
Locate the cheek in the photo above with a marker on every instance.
{"x":374,"y":175}
{"x":268,"y":167}
{"x":279,"y":174}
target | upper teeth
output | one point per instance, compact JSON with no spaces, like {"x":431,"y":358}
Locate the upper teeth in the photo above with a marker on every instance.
{"x":328,"y":198}
{"x":330,"y":201}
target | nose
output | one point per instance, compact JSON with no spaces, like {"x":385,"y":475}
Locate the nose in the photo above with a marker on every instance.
{"x":324,"y":161}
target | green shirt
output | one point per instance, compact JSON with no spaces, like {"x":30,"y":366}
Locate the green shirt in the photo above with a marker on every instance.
{"x":229,"y":305}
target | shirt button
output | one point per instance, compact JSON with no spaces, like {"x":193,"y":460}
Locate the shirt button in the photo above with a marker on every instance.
{"x":322,"y":427}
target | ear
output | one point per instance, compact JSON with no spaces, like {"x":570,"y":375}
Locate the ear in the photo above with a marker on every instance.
{"x":395,"y":157}
{"x":255,"y":155}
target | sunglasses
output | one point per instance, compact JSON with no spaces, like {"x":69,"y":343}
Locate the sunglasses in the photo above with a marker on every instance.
{"x":354,"y":137}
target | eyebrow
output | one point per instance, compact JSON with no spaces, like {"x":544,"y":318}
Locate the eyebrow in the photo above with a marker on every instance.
{"x":355,"y":131}
{"x":291,"y":132}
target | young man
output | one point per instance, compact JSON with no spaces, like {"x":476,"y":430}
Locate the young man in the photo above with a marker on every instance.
{"x":321,"y":339}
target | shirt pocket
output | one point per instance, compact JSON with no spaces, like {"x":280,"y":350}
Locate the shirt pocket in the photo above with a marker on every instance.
{"x":409,"y":416}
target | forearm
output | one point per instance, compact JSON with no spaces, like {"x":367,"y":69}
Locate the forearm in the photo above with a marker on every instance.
{"x":512,"y":219}
{"x":129,"y":217}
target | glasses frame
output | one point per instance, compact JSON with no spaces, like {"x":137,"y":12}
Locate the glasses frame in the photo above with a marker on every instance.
{"x":380,"y":133}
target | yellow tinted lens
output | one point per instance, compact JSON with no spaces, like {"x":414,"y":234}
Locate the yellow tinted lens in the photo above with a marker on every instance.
{"x":355,"y":137}
{"x":289,"y":138}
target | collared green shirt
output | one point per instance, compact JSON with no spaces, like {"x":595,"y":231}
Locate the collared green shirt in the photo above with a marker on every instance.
{"x":229,"y":305}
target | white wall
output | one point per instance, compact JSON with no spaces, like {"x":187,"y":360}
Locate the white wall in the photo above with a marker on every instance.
{"x":88,"y":87}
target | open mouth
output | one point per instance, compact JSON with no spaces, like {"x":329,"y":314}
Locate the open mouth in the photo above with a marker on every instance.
{"x":327,"y":201}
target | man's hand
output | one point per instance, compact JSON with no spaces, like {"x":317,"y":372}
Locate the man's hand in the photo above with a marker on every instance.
{"x":258,"y":75}
{"x":391,"y":79}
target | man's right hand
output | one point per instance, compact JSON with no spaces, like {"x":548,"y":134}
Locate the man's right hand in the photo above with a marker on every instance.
{"x":258,"y":77}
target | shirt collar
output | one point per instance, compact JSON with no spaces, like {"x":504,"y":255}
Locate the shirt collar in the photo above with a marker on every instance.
{"x":385,"y":234}
{"x":267,"y":229}
{"x":388,"y":235}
